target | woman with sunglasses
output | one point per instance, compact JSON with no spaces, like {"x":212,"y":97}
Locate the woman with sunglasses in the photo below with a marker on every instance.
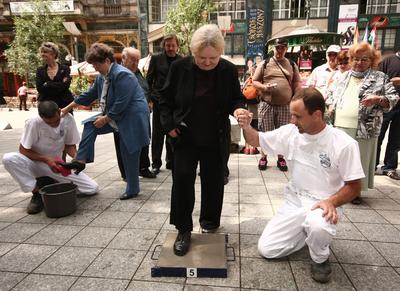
{"x":358,"y":100}
{"x":53,"y":79}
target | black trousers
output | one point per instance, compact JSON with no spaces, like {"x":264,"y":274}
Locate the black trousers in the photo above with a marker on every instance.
{"x":157,"y":140}
{"x":212,"y":168}
{"x":144,"y":161}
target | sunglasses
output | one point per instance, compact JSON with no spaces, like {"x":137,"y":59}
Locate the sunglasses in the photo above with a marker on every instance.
{"x":332,"y":54}
{"x":344,"y":63}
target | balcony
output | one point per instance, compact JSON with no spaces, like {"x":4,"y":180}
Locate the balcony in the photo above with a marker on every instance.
{"x":112,"y":10}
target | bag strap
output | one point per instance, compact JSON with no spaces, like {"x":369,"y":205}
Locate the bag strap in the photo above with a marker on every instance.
{"x":280,"y":67}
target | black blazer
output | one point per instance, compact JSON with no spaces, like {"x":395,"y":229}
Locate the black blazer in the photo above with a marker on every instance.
{"x":56,"y":90}
{"x":157,"y":74}
{"x":177,"y":94}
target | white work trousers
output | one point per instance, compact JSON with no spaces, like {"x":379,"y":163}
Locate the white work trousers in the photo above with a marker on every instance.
{"x":25,"y":171}
{"x":295,"y":225}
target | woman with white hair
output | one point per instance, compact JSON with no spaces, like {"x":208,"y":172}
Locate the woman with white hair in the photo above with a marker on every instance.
{"x":199,"y":94}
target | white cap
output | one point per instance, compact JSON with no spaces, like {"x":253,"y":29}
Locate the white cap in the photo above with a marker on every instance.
{"x":333,"y":48}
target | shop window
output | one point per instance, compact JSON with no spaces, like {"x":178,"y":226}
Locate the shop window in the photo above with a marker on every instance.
{"x":285,"y":9}
{"x":158,"y":9}
{"x":382,"y":6}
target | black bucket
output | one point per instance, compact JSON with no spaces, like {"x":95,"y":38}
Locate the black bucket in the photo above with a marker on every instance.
{"x":59,"y":199}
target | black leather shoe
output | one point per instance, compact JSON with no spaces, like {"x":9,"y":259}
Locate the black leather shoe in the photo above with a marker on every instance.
{"x":146,"y":173}
{"x":74,"y":165}
{"x":155,"y":170}
{"x":182,"y":243}
{"x":125,"y":196}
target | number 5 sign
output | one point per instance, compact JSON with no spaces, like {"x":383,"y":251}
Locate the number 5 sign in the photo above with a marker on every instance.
{"x":191,"y":272}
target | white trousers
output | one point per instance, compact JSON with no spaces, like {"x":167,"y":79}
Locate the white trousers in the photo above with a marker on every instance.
{"x":295,"y":225}
{"x":25,"y":171}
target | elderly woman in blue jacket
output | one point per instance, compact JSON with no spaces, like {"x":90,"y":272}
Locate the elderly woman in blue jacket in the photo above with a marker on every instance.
{"x":124,"y":109}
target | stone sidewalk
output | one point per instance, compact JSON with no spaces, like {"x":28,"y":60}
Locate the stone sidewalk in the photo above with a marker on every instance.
{"x":107,"y":244}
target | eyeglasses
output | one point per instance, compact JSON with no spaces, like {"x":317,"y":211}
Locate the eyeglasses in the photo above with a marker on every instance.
{"x":344,"y":63}
{"x":363,"y":60}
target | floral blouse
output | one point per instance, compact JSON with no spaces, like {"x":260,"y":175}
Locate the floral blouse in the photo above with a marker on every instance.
{"x":369,"y":118}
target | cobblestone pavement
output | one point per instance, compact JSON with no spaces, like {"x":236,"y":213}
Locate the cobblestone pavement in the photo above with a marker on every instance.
{"x":107,"y":244}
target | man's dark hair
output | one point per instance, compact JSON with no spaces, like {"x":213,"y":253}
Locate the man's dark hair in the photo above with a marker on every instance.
{"x":168,"y":37}
{"x":47,"y":109}
{"x":98,"y":53}
{"x":312,"y":98}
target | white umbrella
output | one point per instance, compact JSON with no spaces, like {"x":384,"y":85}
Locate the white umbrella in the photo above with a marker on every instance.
{"x":83,"y":68}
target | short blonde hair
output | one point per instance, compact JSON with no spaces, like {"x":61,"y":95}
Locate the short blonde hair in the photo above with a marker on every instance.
{"x":50,"y":47}
{"x":207,"y":35}
{"x":374,"y":54}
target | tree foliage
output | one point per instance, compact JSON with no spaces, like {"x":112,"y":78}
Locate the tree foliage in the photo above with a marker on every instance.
{"x":185,"y":18}
{"x":31,"y":29}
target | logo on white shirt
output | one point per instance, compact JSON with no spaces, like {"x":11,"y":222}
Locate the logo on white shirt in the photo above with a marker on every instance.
{"x":324,"y":160}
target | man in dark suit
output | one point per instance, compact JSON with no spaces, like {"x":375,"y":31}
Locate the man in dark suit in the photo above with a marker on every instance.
{"x":156,"y":76}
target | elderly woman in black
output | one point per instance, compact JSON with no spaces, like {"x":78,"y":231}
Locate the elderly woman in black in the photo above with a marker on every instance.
{"x":53,"y":79}
{"x":199,"y":94}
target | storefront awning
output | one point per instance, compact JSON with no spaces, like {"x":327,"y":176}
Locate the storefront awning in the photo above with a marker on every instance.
{"x":71,"y":28}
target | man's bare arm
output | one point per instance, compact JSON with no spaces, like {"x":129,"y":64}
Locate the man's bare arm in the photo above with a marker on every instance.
{"x":250,"y":134}
{"x":31,"y":154}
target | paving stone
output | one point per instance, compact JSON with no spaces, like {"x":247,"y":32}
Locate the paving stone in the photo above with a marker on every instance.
{"x":256,"y":210}
{"x":248,"y":245}
{"x":12,"y":214}
{"x":96,"y":204}
{"x":379,"y":232}
{"x":133,"y":239}
{"x":228,"y":209}
{"x":25,"y":258}
{"x":304,"y":281}
{"x":14,"y":198}
{"x":113,"y":190}
{"x":45,"y":282}
{"x":94,"y":237}
{"x":79,"y":217}
{"x":68,"y":261}
{"x":372,"y":277}
{"x":209,"y":288}
{"x":346,"y":230}
{"x":4,"y":225}
{"x":147,"y":220}
{"x":391,"y":216}
{"x":231,"y":197}
{"x":245,"y":188}
{"x":156,"y":206}
{"x":111,"y":219}
{"x":266,"y":274}
{"x":38,"y":218}
{"x":6,"y":247}
{"x":117,"y":264}
{"x":8,"y":280}
{"x":357,"y":252}
{"x":253,"y":225}
{"x":382,"y":204}
{"x":54,"y":235}
{"x":229,"y":224}
{"x":7,"y":188}
{"x":19,"y":232}
{"x":131,"y":205}
{"x":151,"y":286}
{"x":93,"y":284}
{"x":254,"y":198}
{"x":232,"y":280}
{"x":364,"y":215}
{"x":390,"y":251}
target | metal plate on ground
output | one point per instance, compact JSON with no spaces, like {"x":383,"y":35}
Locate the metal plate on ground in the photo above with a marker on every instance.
{"x":205,"y":258}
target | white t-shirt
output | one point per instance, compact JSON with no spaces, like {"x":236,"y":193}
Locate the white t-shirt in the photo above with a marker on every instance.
{"x":50,"y":141}
{"x":319,"y":164}
{"x":319,"y":77}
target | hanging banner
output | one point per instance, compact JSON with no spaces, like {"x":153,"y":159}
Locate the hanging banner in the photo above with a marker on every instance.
{"x":255,"y":27}
{"x":347,"y":22}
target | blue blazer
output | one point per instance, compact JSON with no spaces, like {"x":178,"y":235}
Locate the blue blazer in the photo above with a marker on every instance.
{"x":126,"y":104}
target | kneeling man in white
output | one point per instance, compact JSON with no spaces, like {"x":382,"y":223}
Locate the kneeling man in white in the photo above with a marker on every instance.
{"x":325,"y":172}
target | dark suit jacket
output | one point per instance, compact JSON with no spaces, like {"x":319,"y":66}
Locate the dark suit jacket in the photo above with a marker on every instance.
{"x":177,"y":94}
{"x":157,"y":74}
{"x":56,"y":90}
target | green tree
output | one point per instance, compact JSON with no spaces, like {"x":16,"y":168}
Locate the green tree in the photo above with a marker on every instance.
{"x":185,"y":18}
{"x":31,"y":29}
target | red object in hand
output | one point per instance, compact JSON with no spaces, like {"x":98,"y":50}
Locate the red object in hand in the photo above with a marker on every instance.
{"x":63,"y":171}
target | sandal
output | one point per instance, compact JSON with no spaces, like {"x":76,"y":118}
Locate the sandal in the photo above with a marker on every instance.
{"x":262,"y":164}
{"x":392,"y":174}
{"x":281,"y":164}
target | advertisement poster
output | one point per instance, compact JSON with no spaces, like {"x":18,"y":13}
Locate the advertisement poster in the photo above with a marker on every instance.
{"x":255,"y":28}
{"x":347,"y":22}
